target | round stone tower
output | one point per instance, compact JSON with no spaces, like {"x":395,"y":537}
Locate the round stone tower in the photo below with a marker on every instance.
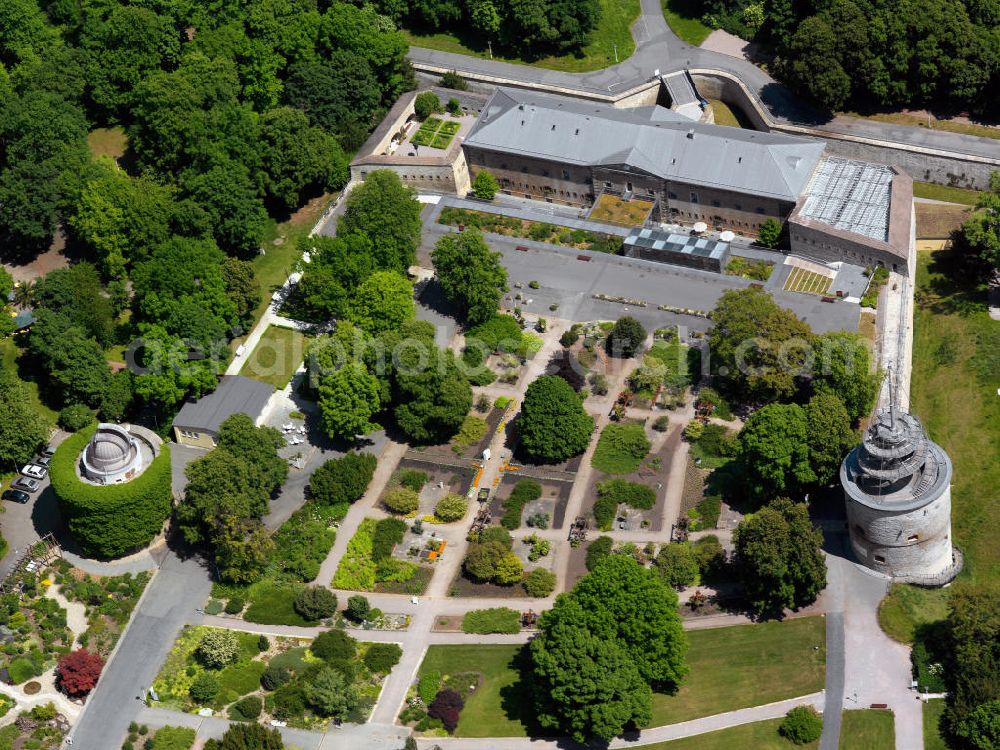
{"x":897,"y":485}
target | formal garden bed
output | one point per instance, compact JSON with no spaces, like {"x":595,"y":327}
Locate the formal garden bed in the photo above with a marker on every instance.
{"x":729,"y":668}
{"x":667,"y":370}
{"x":747,"y":268}
{"x":528,"y":501}
{"x":552,"y":234}
{"x":496,"y":565}
{"x":246,"y":676}
{"x":41,"y":728}
{"x":712,"y":473}
{"x":368,"y":563}
{"x":613,"y":209}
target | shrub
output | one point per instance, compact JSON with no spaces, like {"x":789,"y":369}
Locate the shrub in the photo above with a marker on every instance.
{"x":661,"y":423}
{"x":428,"y":685}
{"x":454,"y":106}
{"x":287,"y":702}
{"x":452,"y":80}
{"x":633,"y":494}
{"x":413,"y":478}
{"x":75,"y":417}
{"x":677,"y":564}
{"x":621,"y":448}
{"x":509,"y":570}
{"x":316,"y":603}
{"x":22,"y":669}
{"x":388,"y":533}
{"x":446,"y":706}
{"x":710,"y":555}
{"x":334,"y":646}
{"x":483,"y":403}
{"x":626,"y":338}
{"x":451,"y":508}
{"x":694,"y":430}
{"x":770,"y":234}
{"x":426,"y":104}
{"x":218,"y":648}
{"x":204,"y":688}
{"x":110,"y":520}
{"x":569,"y":338}
{"x":482,"y":559}
{"x":357,"y":607}
{"x":539,"y":583}
{"x":375,"y":614}
{"x":485,"y":185}
{"x":173,"y":738}
{"x":214,"y":607}
{"x":501,"y":332}
{"x":496,"y":534}
{"x":401,"y":500}
{"x":538,"y":520}
{"x":275,"y":675}
{"x":246,"y":709}
{"x":245,"y":736}
{"x":599,"y":549}
{"x":495,"y":620}
{"x":801,"y":725}
{"x":605,"y":510}
{"x":263,"y":644}
{"x":341,"y":481}
{"x":235,"y":605}
{"x":524,"y":492}
{"x":382,"y":657}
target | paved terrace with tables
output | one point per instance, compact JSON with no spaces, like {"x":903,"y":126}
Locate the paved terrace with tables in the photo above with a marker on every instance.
{"x":566,"y":281}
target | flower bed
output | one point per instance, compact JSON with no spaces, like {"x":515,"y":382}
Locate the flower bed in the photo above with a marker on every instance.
{"x":365,"y":564}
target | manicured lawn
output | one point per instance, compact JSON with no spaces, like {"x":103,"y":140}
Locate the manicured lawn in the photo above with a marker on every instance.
{"x":273,"y":604}
{"x":956,"y":374}
{"x":612,"y":209}
{"x":730,"y":668}
{"x":616,"y":17}
{"x":618,"y":451}
{"x":276,"y":357}
{"x":907,"y":607}
{"x":110,"y":142}
{"x":867,"y":730}
{"x":945,"y":193}
{"x":932,"y":718}
{"x":500,"y":706}
{"x":760,"y":735}
{"x":746,"y":665}
{"x":684,"y":17}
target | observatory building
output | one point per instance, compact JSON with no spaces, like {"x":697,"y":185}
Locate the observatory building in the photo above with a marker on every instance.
{"x":897,"y":486}
{"x":117,"y":454}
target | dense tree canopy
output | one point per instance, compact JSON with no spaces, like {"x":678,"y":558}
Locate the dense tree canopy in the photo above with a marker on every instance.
{"x":973,"y":670}
{"x":775,"y":450}
{"x":382,"y":302}
{"x":22,"y":429}
{"x":470,"y":274}
{"x":553,"y":425}
{"x":757,"y":347}
{"x":388,"y":213}
{"x":844,"y":368}
{"x":780,"y":557}
{"x":602,"y":646}
{"x":977,"y":244}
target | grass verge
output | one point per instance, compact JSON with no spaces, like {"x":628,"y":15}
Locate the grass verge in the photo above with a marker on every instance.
{"x":760,"y":735}
{"x":867,"y":730}
{"x":684,"y":19}
{"x":276,"y":357}
{"x":612,"y":30}
{"x":925,"y":120}
{"x":933,"y":710}
{"x":906,"y":608}
{"x":945,"y":193}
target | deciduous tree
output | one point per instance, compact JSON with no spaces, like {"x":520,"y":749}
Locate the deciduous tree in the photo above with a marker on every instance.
{"x":553,"y":424}
{"x":78,"y":671}
{"x":774,"y":447}
{"x":383,"y":302}
{"x":348,"y":399}
{"x":471,"y":275}
{"x":387,"y":213}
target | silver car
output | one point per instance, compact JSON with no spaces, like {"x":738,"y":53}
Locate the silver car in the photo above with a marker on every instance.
{"x":34,"y":471}
{"x":25,"y":483}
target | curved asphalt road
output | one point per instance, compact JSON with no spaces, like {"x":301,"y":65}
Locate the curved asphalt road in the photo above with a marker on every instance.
{"x":658,"y":48}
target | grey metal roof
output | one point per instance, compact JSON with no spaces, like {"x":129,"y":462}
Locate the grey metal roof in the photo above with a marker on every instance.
{"x":234,"y":395}
{"x":684,"y":244}
{"x":650,"y":139}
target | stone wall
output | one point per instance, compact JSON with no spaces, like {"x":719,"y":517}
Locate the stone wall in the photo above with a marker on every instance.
{"x":913,"y":543}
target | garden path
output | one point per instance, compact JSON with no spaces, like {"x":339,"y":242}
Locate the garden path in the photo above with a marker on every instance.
{"x":76,"y":613}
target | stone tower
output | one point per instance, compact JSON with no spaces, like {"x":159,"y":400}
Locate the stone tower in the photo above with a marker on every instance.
{"x":897,"y":486}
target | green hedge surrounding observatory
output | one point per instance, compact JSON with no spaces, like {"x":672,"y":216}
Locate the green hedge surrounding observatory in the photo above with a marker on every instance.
{"x":110,"y":521}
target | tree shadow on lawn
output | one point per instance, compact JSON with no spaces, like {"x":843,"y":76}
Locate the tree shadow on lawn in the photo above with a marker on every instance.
{"x":517,"y":699}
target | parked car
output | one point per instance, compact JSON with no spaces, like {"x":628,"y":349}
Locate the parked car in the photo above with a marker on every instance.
{"x":34,"y":471}
{"x":16,"y":496}
{"x":42,"y":461}
{"x":48,"y":451}
{"x":26,"y":483}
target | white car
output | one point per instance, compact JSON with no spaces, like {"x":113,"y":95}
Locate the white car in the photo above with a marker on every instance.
{"x":34,"y":471}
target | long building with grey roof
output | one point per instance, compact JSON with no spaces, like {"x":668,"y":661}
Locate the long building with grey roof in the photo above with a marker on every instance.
{"x":570,"y":151}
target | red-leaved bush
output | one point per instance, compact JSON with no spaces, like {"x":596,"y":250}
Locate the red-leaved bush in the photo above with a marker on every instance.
{"x":78,"y":671}
{"x":446,"y":706}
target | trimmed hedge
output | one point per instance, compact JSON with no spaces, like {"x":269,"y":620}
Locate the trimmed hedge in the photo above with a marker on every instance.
{"x":495,"y":620}
{"x":109,"y":521}
{"x":524,"y":492}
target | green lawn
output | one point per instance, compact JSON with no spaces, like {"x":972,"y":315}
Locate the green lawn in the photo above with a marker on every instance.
{"x":867,"y":730}
{"x":747,"y":665}
{"x":956,"y":373}
{"x":945,"y":193}
{"x":907,"y":607}
{"x":616,"y":17}
{"x":276,"y":357}
{"x":499,"y":707}
{"x":932,"y":718}
{"x":684,"y":17}
{"x":760,"y":735}
{"x":730,"y":668}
